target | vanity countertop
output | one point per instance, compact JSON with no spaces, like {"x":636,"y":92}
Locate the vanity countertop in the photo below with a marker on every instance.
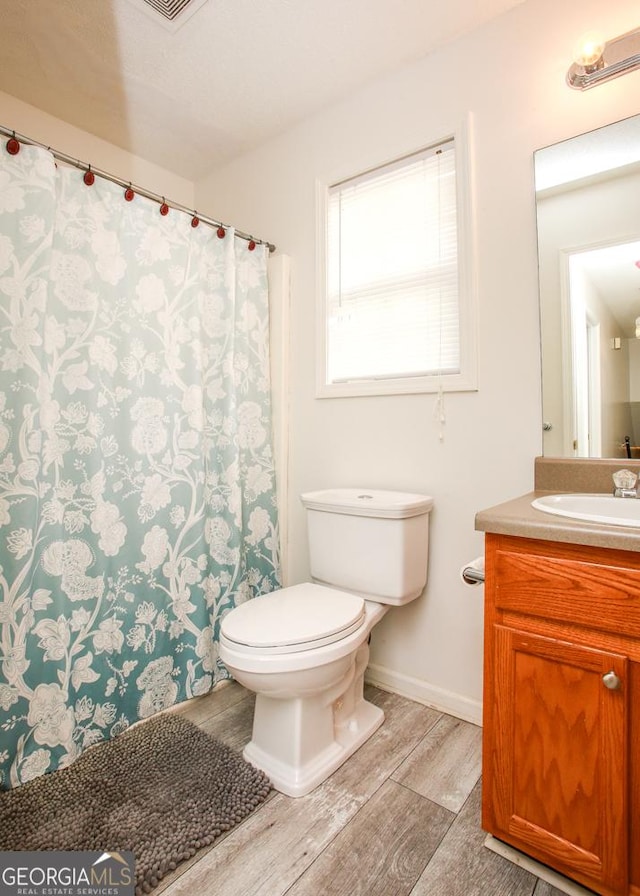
{"x":518,"y":517}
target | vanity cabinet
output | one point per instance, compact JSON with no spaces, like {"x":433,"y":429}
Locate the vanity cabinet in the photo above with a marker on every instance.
{"x":561,"y":751}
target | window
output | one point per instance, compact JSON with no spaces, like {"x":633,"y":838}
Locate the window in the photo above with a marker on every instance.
{"x":393,"y":318}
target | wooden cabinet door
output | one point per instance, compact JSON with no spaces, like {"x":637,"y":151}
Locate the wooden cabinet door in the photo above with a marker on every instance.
{"x":557,"y":761}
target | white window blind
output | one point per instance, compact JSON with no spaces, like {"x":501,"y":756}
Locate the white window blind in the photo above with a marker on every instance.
{"x":392,"y":306}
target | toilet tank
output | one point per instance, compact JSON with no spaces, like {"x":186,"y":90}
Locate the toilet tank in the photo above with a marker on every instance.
{"x":370,"y":541}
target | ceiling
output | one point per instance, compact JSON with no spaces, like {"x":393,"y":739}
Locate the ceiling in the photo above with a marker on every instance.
{"x":233,"y":74}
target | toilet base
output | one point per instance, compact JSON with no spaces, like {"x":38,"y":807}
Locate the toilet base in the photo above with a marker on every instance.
{"x":300,"y":775}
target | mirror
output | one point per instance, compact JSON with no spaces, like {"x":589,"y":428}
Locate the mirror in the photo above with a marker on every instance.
{"x":588,"y":214}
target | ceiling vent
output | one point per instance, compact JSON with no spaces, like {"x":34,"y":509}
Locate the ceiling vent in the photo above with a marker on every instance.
{"x":172,"y":14}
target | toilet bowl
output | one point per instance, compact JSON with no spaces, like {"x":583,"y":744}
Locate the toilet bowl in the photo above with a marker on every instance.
{"x":304,"y":649}
{"x":310,"y":712}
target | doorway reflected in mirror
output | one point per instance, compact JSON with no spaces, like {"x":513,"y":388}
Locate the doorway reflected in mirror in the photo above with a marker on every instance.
{"x":587,"y":201}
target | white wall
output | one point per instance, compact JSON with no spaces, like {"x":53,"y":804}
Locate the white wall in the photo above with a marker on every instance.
{"x":62,"y":137}
{"x":510,"y":77}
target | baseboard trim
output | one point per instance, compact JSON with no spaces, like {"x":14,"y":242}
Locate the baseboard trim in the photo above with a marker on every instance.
{"x":557,"y":880}
{"x":423,"y":692}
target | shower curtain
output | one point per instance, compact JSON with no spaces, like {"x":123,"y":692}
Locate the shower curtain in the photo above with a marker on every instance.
{"x":137,"y":494}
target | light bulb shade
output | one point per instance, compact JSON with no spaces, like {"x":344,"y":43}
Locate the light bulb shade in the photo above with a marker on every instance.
{"x":637,"y":327}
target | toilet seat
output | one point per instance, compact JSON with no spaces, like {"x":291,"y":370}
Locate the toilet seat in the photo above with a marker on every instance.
{"x":298,"y":618}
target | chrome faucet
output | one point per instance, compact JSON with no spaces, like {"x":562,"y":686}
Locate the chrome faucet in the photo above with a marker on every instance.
{"x":625,"y":484}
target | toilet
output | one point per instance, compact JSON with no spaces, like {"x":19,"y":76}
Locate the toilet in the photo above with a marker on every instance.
{"x":304,"y":649}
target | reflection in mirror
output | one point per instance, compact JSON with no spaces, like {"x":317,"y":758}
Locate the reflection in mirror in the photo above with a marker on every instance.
{"x":588,"y":211}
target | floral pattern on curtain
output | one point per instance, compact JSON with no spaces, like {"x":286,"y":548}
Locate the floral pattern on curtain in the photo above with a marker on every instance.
{"x":137,"y":493}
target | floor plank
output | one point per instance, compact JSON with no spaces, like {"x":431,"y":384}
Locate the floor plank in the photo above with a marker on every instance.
{"x":234,"y":726}
{"x":222,"y":697}
{"x":382,"y":851}
{"x":404,"y":726}
{"x":463,"y":866}
{"x":546,"y":889}
{"x":446,"y":764}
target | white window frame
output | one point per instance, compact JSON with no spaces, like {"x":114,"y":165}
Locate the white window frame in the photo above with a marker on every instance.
{"x":466,"y":379}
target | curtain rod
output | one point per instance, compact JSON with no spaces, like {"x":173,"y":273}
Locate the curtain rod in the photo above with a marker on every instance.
{"x":70,"y":160}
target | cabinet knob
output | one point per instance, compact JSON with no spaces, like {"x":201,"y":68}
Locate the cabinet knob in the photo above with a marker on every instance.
{"x":611,"y":681}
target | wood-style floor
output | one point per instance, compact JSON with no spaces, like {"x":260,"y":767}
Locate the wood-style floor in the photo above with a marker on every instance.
{"x":400,"y":818}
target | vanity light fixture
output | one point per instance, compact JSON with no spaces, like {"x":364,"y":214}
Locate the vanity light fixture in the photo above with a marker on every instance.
{"x":597,"y":60}
{"x":637,"y":327}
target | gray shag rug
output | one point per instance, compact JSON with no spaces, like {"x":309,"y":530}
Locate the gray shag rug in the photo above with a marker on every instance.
{"x":162,"y":790}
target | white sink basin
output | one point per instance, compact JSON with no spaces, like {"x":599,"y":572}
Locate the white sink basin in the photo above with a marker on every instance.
{"x":592,"y":508}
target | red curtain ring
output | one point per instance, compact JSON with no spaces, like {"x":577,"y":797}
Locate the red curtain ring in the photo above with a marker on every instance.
{"x":164,"y":208}
{"x":221,"y":232}
{"x":13,"y":146}
{"x":252,"y":245}
{"x":89,"y":178}
{"x":195,"y":221}
{"x":129,"y":194}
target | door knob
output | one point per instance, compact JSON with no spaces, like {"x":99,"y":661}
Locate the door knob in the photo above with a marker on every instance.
{"x":611,"y":681}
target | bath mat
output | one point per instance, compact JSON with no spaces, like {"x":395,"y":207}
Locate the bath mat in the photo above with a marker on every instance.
{"x":162,"y":791}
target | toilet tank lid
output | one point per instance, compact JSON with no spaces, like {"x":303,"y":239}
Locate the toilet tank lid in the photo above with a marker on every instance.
{"x":368,"y":502}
